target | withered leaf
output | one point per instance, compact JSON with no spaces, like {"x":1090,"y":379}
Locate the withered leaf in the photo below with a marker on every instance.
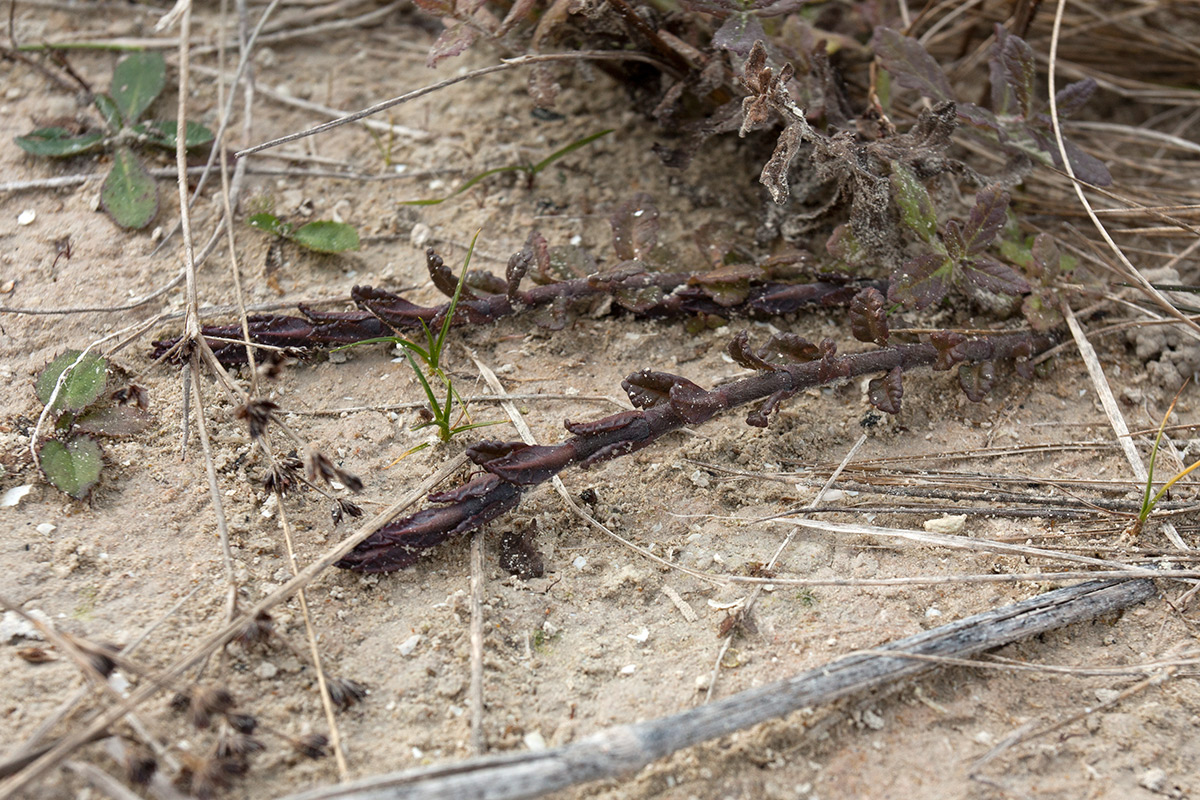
{"x":885,"y":393}
{"x":635,"y":227}
{"x":976,"y":380}
{"x":868,"y":317}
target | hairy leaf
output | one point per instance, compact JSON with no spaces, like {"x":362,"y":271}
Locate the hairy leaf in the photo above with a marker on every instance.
{"x":80,"y":389}
{"x":1040,"y":311}
{"x":129,"y":194}
{"x":1073,"y":96}
{"x":115,"y":421}
{"x":986,"y":220}
{"x":73,"y":467}
{"x":739,"y":33}
{"x":267,"y":222}
{"x":635,"y":227}
{"x":910,"y":65}
{"x":452,"y":42}
{"x":165,"y":133}
{"x":922,"y":281}
{"x":326,"y":236}
{"x":976,"y":380}
{"x":912,"y":198}
{"x":868,"y":317}
{"x":1013,"y":73}
{"x":137,"y":80}
{"x":885,"y":393}
{"x":991,"y":276}
{"x":58,"y":142}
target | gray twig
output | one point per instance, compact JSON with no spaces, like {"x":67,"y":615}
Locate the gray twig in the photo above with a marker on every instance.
{"x":623,"y":749}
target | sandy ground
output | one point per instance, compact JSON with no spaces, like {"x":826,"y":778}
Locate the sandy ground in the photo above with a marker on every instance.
{"x":598,"y":640}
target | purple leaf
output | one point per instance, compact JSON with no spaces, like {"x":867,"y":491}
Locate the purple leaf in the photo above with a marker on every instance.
{"x":740,"y":351}
{"x":991,"y":276}
{"x":910,"y":65}
{"x":635,"y":227}
{"x":1073,"y":96}
{"x":885,"y":393}
{"x":739,"y":33}
{"x":921,"y":282}
{"x":986,"y":220}
{"x":945,"y":342}
{"x":453,"y":41}
{"x":868,"y":317}
{"x":790,"y":347}
{"x":976,"y":380}
{"x":1013,"y":73}
{"x":760,"y":416}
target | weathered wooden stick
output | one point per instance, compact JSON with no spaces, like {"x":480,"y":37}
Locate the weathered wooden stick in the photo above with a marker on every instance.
{"x":623,"y":749}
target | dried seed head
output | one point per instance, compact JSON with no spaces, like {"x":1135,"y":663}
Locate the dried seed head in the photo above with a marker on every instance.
{"x":257,"y":414}
{"x":180,"y":702}
{"x":345,"y":692}
{"x":140,"y":767}
{"x":311,"y":745}
{"x":234,"y":745}
{"x":317,"y":466}
{"x":242,"y":723}
{"x":271,"y":365}
{"x":256,"y":630}
{"x":132,"y":394}
{"x":282,"y":475}
{"x":344,"y":508}
{"x":206,"y":702}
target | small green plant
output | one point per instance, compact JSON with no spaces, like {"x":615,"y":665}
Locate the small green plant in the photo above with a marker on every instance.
{"x":426,"y":361}
{"x":71,"y":387}
{"x":322,"y":235}
{"x":1150,"y":498}
{"x":129,"y":194}
{"x":531,"y":170}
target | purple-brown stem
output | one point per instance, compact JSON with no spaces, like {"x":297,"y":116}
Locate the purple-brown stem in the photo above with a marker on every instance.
{"x":666,"y":403}
{"x":646,"y":294}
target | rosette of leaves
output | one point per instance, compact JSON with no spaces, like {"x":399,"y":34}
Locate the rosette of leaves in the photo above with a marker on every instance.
{"x":71,"y":459}
{"x":322,"y":235}
{"x":956,"y":254}
{"x":1017,"y":120}
{"x":129,"y":194}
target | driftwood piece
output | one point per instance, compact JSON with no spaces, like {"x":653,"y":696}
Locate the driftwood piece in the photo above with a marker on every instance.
{"x":623,"y":749}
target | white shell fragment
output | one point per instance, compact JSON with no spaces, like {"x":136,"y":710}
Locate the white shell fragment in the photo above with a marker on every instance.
{"x":951,"y":524}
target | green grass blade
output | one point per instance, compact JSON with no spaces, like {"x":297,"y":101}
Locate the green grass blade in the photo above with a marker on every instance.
{"x":462,"y":279}
{"x":489,"y":173}
{"x":571,"y":148}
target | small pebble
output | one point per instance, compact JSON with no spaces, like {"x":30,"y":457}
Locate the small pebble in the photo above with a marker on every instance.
{"x":629,"y":669}
{"x":46,"y":528}
{"x":1153,"y":779}
{"x":407,"y":647}
{"x":641,"y":636}
{"x":266,"y":670}
{"x":579,"y":563}
{"x":535,"y":741}
{"x":951,"y":524}
{"x":26,"y":217}
{"x":14,"y":495}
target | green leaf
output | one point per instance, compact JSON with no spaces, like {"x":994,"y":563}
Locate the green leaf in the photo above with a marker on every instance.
{"x":73,"y":467}
{"x":266,"y":222}
{"x":163,"y":134}
{"x":58,"y":142}
{"x":115,"y":421}
{"x":571,"y":148}
{"x":137,"y":81}
{"x":326,"y":236}
{"x":129,"y":194}
{"x":913,"y":200}
{"x":108,"y":109}
{"x":81,"y":387}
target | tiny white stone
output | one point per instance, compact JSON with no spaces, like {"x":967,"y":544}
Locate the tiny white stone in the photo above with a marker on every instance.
{"x":416,"y":752}
{"x":932,"y":612}
{"x":46,"y":528}
{"x":579,"y":563}
{"x":641,"y":636}
{"x":629,"y":669}
{"x":407,"y":647}
{"x":702,"y":682}
{"x":26,"y":217}
{"x":535,"y":741}
{"x":950,"y":524}
{"x":266,"y":670}
{"x":14,"y":495}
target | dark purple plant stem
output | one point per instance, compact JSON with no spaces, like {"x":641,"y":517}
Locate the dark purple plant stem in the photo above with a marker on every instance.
{"x":678,"y":294}
{"x":668,"y":403}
